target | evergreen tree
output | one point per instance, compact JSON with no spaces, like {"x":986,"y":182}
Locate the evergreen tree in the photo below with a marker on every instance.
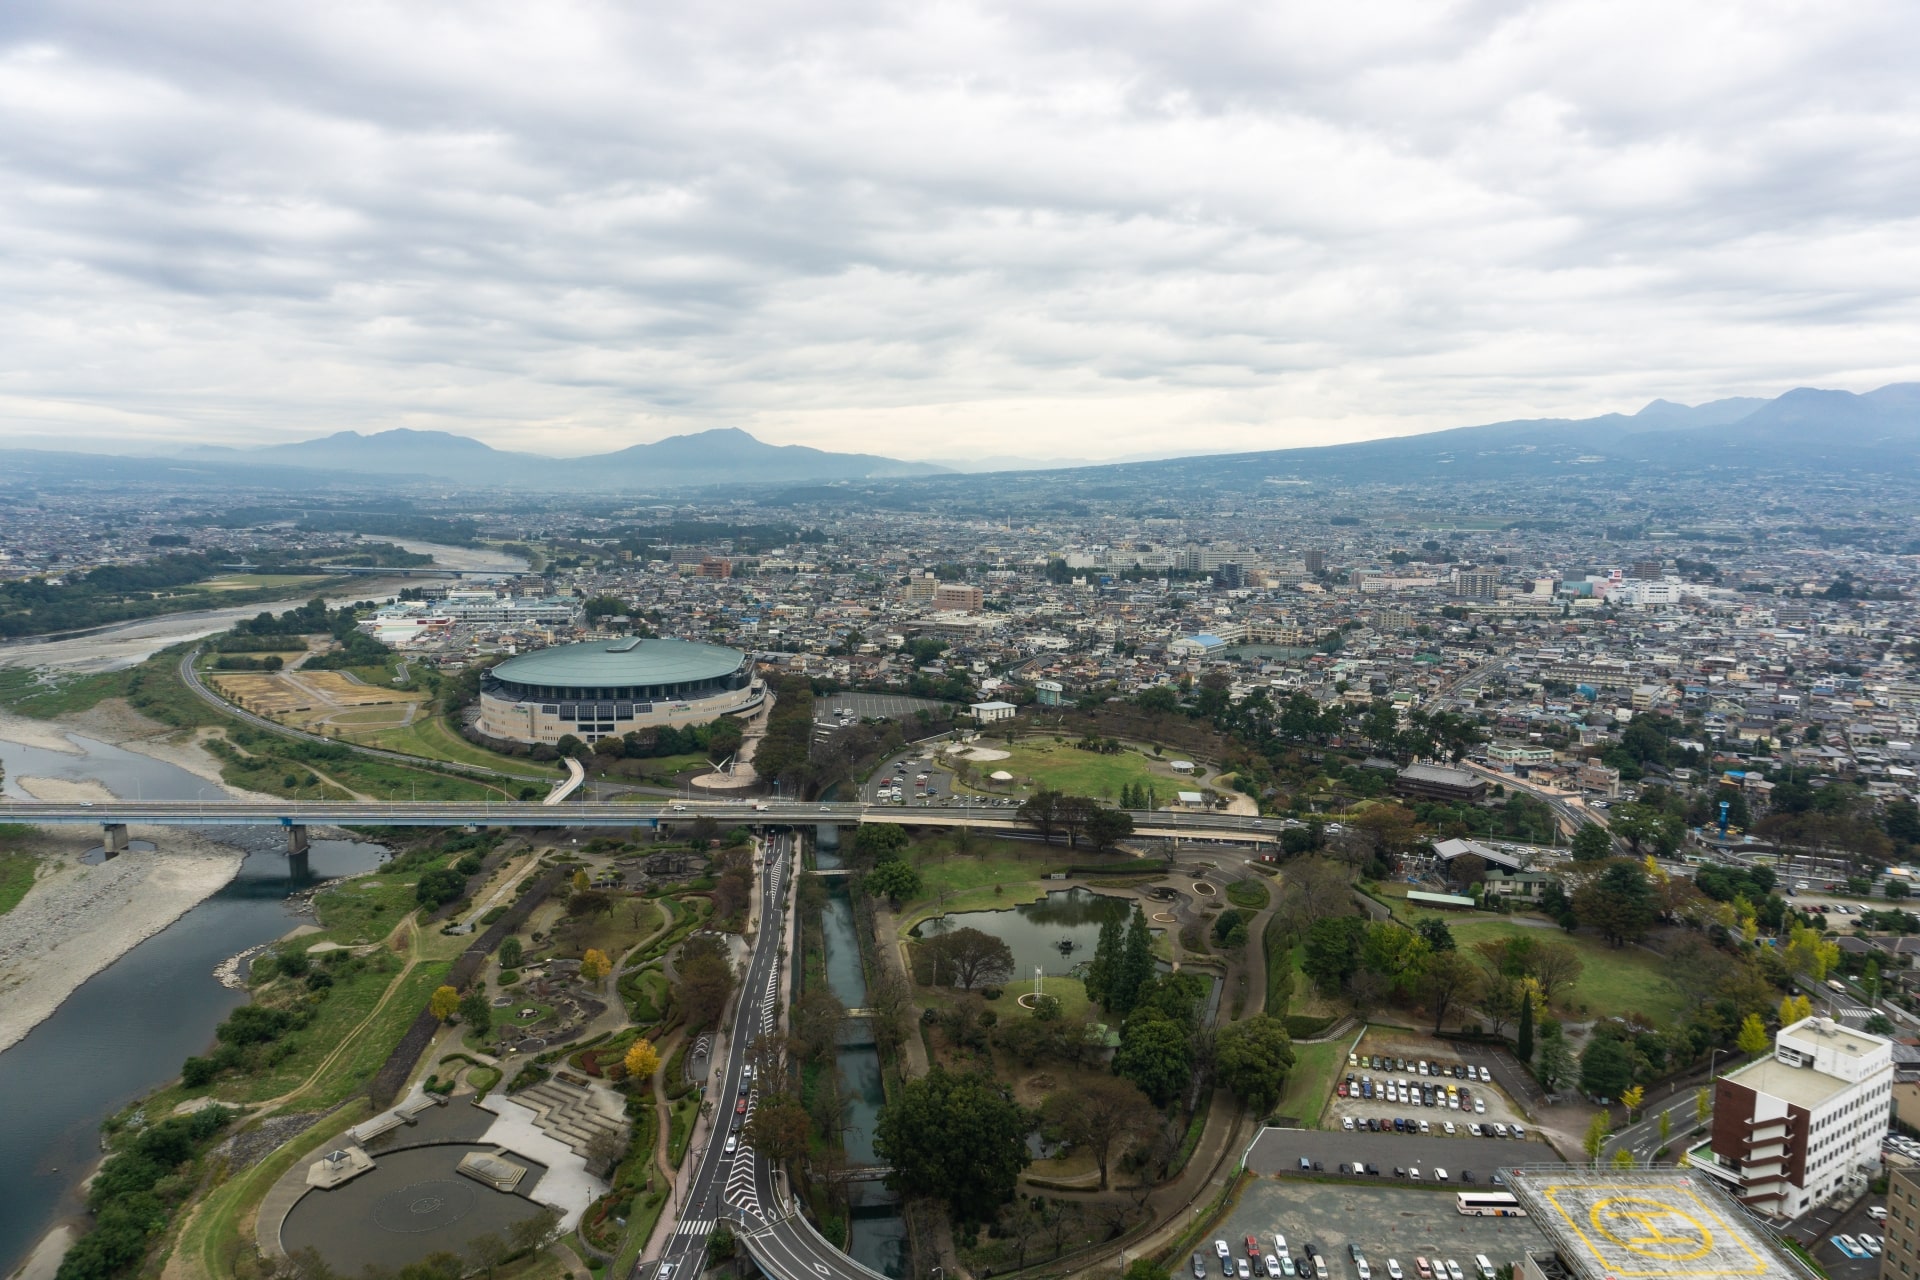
{"x":1523,"y":1041}
{"x":1135,"y":969}
{"x":1106,"y":958}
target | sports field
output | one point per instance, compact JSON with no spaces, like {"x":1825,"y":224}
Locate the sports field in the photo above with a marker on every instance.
{"x":1061,"y":766}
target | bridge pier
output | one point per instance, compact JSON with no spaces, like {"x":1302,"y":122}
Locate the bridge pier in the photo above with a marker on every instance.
{"x":114,"y":838}
{"x":297,"y":840}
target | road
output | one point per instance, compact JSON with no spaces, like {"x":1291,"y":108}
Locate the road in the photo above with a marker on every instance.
{"x":534,"y":813}
{"x":737,"y":1187}
{"x":1642,"y":1137}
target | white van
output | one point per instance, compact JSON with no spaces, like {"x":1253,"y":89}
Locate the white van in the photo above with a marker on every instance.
{"x":1485,"y":1267}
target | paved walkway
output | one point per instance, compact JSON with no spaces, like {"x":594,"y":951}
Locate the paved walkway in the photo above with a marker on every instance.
{"x":886,"y":938}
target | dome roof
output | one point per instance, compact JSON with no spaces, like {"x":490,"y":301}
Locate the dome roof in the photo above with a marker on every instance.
{"x":620,"y":662}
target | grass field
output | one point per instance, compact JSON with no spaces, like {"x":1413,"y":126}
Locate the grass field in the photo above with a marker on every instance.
{"x":1316,"y":1069}
{"x":16,"y":877}
{"x":1063,"y":767}
{"x":26,"y":693}
{"x":1613,"y":982}
{"x":432,"y":738}
{"x":944,"y":869}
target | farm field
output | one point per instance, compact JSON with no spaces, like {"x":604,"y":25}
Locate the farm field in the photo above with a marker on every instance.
{"x":310,"y":699}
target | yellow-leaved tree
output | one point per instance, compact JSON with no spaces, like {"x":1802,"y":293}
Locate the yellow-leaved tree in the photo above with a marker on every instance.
{"x":444,"y":1003}
{"x":580,"y":882}
{"x":642,"y":1060}
{"x":1807,"y":952}
{"x":594,"y":965}
{"x":1753,"y":1035}
{"x":1794,"y":1008}
{"x":1632,"y":1099}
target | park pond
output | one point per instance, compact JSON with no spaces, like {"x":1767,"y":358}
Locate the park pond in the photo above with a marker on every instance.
{"x":1053,"y":934}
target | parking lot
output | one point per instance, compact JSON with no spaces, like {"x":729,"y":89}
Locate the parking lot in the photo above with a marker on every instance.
{"x":872,"y":706}
{"x":1397,"y":1222}
{"x":1441,"y":1057}
{"x":1278,"y":1151}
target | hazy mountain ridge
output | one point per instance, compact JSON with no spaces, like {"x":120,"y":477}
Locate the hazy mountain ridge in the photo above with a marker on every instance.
{"x":722,"y":455}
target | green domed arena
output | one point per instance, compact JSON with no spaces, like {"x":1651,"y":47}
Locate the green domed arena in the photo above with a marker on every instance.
{"x":605,"y":688}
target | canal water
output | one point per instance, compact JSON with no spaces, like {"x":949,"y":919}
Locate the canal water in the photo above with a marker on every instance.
{"x":1052,"y":934}
{"x":125,"y":1031}
{"x":879,"y":1234}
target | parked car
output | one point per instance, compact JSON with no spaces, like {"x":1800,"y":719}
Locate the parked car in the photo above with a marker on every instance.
{"x":1244,"y":1270}
{"x":1421,"y":1268}
{"x":1280,"y":1241}
{"x":1220,"y":1249}
{"x":1199,"y":1267}
{"x":1439,"y":1175}
{"x":1253,"y":1246}
{"x":1454,"y":1272}
{"x":1273,"y":1267}
{"x":1393,"y":1270}
{"x":1346,"y":1122}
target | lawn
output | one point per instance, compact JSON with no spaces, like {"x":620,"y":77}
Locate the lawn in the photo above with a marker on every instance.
{"x":1070,"y":992}
{"x":987,"y":862}
{"x":1613,"y":982}
{"x":1316,"y":1069}
{"x":431,"y":738}
{"x":614,"y":933}
{"x":1063,"y":767}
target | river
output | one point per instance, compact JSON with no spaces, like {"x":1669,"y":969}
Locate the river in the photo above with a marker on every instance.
{"x":126,"y":644}
{"x":125,"y":1031}
{"x":878,"y":1233}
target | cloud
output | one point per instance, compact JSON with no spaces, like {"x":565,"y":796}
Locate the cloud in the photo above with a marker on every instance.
{"x":1053,"y":227}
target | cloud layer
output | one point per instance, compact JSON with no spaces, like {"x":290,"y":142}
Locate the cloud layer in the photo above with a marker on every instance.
{"x":1055,"y":227}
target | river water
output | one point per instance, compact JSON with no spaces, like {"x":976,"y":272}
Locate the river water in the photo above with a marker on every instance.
{"x":879,"y":1234}
{"x":125,"y":1031}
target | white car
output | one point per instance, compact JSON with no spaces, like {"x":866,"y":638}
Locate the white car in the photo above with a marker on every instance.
{"x":1486,"y":1075}
{"x":1870,"y":1243}
{"x":1878,"y":1213}
{"x":1479,"y":1107}
{"x":733,"y":1144}
{"x":1361,"y":1269}
{"x":1279,"y":1244}
{"x":1346,"y":1122}
{"x":1220,"y":1248}
{"x":1439,"y":1175}
{"x":1454,"y":1272}
{"x":1273,"y":1266}
{"x":1448,"y":1126}
{"x":1393,"y":1270}
{"x":1517,"y":1131}
{"x":1426,"y":1126}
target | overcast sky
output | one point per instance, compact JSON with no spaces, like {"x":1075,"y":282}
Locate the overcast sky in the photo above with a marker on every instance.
{"x":1079,"y":228}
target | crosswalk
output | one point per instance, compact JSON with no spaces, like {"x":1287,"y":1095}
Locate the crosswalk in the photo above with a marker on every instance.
{"x":696,"y":1227}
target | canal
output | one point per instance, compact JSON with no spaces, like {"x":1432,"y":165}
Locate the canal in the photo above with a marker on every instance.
{"x":878,"y":1232}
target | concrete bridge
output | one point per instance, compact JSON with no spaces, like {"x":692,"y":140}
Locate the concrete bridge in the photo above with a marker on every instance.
{"x":296,"y":816}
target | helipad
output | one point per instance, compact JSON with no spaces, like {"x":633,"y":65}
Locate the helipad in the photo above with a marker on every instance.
{"x":1649,"y":1225}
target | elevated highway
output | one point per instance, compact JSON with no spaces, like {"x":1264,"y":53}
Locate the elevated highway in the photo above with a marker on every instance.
{"x":114,"y":816}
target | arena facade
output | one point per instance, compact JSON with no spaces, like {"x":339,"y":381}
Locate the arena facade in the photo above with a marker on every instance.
{"x":606,"y":688}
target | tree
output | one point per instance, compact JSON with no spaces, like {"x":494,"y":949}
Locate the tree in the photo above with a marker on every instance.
{"x":877,"y":842}
{"x":438,"y":887}
{"x":1107,"y":827}
{"x":1591,"y":843}
{"x":1449,"y":978}
{"x":1098,"y":1113}
{"x":588,"y":903}
{"x":1596,"y":1140}
{"x":1666,"y":1126}
{"x":1332,"y":951}
{"x":1106,"y":961}
{"x":1437,"y":933}
{"x":1623,"y":1159}
{"x":1252,"y":1057}
{"x":1808,"y":953}
{"x":1632,"y":1099}
{"x":1556,"y":1059}
{"x":1155,"y":1053}
{"x":1794,"y":1008}
{"x":1618,"y":902}
{"x":971,"y":957}
{"x":896,"y":880}
{"x":779,"y":1129}
{"x":959,"y":1137}
{"x":444,"y":1003}
{"x":1523,"y":1040}
{"x":1606,"y":1068}
{"x":817,"y":1016}
{"x":580,"y":881}
{"x":510,"y":953}
{"x":1041,"y":811}
{"x":1753,"y":1036}
{"x":642,"y":1060}
{"x":705,"y":980}
{"x":476,"y":1012}
{"x":1554,"y":965}
{"x":594,"y":965}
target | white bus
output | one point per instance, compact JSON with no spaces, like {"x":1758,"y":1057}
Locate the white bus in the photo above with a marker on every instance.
{"x":1489,"y":1204}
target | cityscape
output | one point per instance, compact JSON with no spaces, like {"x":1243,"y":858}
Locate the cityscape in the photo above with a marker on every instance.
{"x":959,"y":642}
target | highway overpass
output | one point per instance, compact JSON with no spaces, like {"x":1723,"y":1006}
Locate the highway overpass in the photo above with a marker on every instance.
{"x":296,"y":816}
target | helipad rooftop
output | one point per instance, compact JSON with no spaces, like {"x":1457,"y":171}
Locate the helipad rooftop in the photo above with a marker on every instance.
{"x":1645,"y":1224}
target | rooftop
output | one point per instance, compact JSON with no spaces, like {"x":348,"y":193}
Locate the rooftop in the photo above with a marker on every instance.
{"x":622,"y":661}
{"x":1801,"y":1086}
{"x":1648,"y":1224}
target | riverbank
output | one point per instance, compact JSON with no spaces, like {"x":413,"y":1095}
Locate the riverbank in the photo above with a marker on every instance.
{"x":79,"y":918}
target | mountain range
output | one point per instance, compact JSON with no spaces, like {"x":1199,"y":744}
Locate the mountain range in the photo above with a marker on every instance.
{"x":1807,"y":429}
